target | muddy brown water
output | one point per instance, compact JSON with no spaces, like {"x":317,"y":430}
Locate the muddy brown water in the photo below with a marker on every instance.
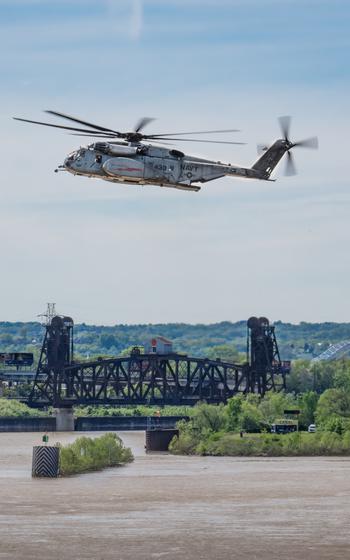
{"x":166,"y":507}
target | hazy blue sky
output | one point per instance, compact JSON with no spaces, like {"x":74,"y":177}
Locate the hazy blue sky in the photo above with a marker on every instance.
{"x":110,"y":254}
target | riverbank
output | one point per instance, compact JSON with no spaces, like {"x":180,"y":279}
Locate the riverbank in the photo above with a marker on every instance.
{"x":297,"y":444}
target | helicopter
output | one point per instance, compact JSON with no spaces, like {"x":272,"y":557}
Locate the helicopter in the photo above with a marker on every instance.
{"x":135,"y":158}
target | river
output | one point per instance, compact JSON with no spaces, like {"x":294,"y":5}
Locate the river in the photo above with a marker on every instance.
{"x":169,"y":507}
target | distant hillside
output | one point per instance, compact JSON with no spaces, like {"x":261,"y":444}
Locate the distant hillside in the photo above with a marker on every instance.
{"x":304,"y":340}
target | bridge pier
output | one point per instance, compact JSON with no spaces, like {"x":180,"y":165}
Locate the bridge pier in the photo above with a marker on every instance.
{"x":64,"y":419}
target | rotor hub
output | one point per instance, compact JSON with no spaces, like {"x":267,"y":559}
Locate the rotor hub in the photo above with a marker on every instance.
{"x":133,"y":136}
{"x":287,"y":144}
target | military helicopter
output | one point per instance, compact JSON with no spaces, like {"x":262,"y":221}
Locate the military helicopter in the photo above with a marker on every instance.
{"x":129,"y":158}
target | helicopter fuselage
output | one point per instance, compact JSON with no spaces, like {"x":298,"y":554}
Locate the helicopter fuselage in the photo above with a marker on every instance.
{"x":146,"y":164}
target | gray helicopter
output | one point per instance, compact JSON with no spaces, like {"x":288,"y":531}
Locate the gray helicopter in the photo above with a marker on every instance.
{"x":128,"y":158}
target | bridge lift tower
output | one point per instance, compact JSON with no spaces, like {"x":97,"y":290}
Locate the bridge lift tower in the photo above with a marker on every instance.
{"x":56,"y":354}
{"x":263,"y":356}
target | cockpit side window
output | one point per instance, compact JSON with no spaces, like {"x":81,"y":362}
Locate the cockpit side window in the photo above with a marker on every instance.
{"x":176,"y":154}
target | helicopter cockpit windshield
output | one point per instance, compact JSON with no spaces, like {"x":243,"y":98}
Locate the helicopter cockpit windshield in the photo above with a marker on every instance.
{"x":70,"y":158}
{"x":74,"y":157}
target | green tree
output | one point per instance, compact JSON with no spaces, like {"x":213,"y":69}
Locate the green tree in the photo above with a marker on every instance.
{"x":6,"y":339}
{"x":308,"y":404}
{"x":233,"y":410}
{"x":272,"y":406}
{"x":107,"y":341}
{"x":208,"y":418}
{"x":336,"y":424}
{"x":323,"y":375}
{"x":300,"y":378}
{"x":226,"y":353}
{"x":333,"y":402}
{"x":342,"y":375}
{"x":250,"y":418}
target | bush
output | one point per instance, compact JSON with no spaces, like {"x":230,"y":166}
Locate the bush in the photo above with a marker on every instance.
{"x":88,"y":454}
{"x":295,"y":444}
{"x":229,"y":445}
{"x":16,"y":408}
{"x":187,"y":440}
{"x":336,"y":424}
{"x":208,"y":418}
{"x":140,"y":410}
{"x":250,"y":419}
{"x":346,"y":442}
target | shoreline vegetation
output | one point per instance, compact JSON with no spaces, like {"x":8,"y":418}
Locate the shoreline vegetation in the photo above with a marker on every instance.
{"x":242,"y":427}
{"x":15,"y":408}
{"x":297,"y":444}
{"x":93,"y":454}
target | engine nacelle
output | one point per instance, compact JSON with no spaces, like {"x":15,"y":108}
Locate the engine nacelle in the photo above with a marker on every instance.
{"x":124,"y":167}
{"x":116,"y":149}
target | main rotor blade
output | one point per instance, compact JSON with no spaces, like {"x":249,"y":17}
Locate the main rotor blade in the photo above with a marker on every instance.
{"x":160,"y":140}
{"x":142,"y":123}
{"x":97,"y":135}
{"x":55,"y":125}
{"x":290,"y":168}
{"x":311,"y":143}
{"x":198,"y":132}
{"x":194,"y":140}
{"x":285,"y":126}
{"x":85,"y":123}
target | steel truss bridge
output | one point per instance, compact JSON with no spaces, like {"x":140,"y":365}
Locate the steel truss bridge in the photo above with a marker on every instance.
{"x":334,"y":352}
{"x":160,"y":379}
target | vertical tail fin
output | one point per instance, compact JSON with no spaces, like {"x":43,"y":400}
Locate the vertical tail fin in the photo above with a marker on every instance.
{"x":268,"y":161}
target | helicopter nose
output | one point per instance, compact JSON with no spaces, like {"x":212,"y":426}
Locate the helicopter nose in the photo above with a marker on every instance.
{"x":67,"y":162}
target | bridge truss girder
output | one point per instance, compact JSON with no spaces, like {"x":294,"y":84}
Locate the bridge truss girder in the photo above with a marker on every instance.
{"x":149,"y":379}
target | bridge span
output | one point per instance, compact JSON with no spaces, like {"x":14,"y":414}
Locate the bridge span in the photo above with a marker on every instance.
{"x":152,"y":378}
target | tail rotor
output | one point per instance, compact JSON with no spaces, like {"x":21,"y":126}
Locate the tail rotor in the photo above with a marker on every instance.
{"x":311,"y":143}
{"x":290,"y":168}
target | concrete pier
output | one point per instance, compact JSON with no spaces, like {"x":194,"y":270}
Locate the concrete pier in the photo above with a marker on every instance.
{"x":64,"y":419}
{"x":159,"y":439}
